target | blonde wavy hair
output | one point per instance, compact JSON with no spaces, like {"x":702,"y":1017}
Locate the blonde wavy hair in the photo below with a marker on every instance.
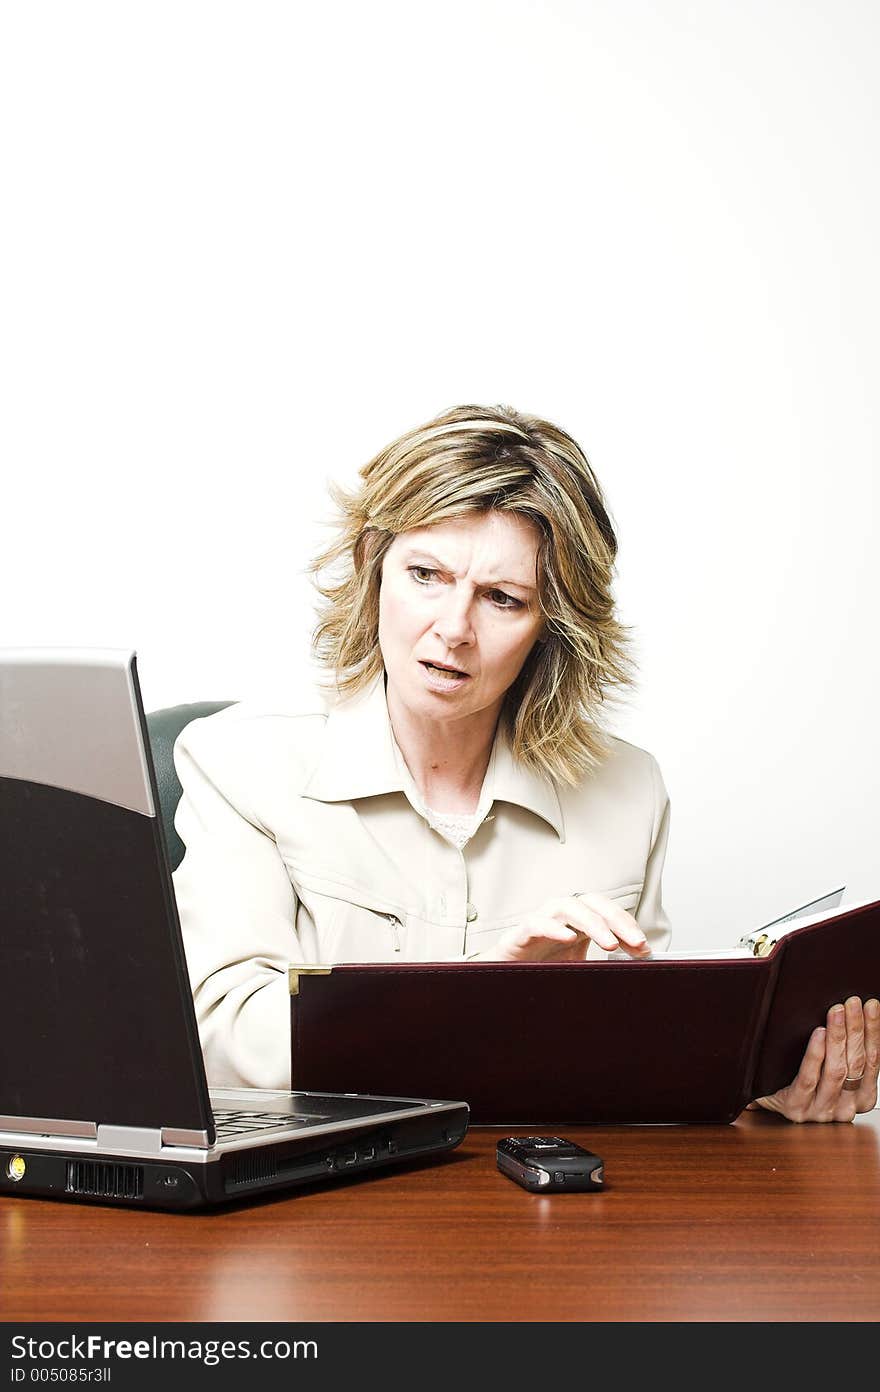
{"x":472,"y":459}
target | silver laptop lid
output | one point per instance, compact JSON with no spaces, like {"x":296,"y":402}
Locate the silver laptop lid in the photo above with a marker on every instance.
{"x":94,"y":994}
{"x":101,"y":753}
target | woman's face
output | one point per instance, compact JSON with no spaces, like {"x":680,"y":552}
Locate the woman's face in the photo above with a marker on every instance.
{"x":459,"y":613}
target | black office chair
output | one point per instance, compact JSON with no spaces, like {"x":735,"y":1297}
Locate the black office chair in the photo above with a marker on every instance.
{"x":163,"y":727}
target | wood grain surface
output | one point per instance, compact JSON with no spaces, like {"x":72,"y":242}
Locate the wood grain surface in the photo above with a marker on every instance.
{"x":761,"y":1220}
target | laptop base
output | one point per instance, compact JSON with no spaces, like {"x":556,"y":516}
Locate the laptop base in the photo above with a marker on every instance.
{"x":228,"y":1174}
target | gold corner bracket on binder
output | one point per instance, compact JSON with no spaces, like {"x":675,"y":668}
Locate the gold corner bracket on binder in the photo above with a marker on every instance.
{"x":294,"y":974}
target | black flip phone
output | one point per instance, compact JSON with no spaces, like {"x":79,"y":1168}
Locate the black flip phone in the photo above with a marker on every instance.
{"x":549,"y":1164}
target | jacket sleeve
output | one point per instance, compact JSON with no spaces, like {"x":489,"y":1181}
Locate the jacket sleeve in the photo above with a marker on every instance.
{"x":650,"y":914}
{"x":237,"y":911}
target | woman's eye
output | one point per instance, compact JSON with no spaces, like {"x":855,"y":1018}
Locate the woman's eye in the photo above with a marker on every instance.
{"x":422,"y":574}
{"x":504,"y":601}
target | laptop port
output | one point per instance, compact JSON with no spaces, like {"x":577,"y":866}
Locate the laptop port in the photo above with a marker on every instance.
{"x":369,"y":1153}
{"x":349,"y":1157}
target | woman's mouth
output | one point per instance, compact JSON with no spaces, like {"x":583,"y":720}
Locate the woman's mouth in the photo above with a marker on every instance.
{"x":445,"y":676}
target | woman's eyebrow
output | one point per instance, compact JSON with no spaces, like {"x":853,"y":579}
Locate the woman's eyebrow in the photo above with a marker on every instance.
{"x":416,"y":552}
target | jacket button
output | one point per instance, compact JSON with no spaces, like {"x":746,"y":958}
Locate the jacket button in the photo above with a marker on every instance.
{"x":471,"y":913}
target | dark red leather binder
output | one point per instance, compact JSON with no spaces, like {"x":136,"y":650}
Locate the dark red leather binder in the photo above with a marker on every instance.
{"x":662,"y":1041}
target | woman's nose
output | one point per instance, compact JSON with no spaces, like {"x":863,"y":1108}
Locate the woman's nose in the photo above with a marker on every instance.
{"x":453,"y":623}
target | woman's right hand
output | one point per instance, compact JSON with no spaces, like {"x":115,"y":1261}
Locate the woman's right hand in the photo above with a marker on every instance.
{"x":562,"y":929}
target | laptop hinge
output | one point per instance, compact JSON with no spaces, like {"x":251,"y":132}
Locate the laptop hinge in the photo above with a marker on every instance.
{"x":128,"y":1138}
{"x":173,"y":1135}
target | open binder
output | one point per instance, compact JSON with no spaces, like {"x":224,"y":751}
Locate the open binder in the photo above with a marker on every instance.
{"x":671,"y":1039}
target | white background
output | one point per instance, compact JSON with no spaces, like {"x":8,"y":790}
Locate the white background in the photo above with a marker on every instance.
{"x":245,"y":245}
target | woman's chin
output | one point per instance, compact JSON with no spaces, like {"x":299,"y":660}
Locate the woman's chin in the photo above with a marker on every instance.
{"x":431,"y":698}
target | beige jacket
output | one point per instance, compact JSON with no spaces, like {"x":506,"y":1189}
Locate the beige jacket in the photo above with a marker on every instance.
{"x":303,"y":844}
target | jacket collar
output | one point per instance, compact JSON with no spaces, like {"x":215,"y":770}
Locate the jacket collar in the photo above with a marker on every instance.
{"x":359,"y":759}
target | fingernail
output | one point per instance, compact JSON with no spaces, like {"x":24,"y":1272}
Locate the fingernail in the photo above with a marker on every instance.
{"x":872,"y":1009}
{"x":837,"y":1012}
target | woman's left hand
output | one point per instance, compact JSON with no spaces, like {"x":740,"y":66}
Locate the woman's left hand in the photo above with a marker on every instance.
{"x":846,"y":1049}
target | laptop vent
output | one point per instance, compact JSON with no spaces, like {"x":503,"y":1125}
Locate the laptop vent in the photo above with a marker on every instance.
{"x":251,"y":1169}
{"x":105,"y":1181}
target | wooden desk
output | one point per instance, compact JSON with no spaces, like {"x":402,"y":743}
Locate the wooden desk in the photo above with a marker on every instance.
{"x":762,"y":1220}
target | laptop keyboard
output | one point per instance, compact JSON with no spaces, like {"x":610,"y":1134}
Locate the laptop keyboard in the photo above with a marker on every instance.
{"x":231,"y":1123}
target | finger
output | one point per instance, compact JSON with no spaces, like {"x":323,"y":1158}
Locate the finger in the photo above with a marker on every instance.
{"x":801,"y":1093}
{"x":855,"y":1038}
{"x":866,"y":1097}
{"x":606,"y":923}
{"x":573,"y":948}
{"x":535,"y":931}
{"x":575,"y":914}
{"x":628,"y":931}
{"x":828,"y":1093}
{"x":622,"y":924}
{"x":575,"y":951}
{"x":797,"y":1100}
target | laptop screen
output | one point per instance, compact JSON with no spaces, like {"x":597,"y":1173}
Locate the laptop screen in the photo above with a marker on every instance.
{"x":95,"y":1001}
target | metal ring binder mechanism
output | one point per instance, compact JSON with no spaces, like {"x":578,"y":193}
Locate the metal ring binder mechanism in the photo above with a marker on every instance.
{"x":761,"y":941}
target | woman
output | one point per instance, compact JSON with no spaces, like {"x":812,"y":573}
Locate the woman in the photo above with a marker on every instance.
{"x":454,"y":797}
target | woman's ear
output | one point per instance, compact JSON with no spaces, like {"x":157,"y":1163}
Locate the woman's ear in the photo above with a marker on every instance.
{"x":364,"y":548}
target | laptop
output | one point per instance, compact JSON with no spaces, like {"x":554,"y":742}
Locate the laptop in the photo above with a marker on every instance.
{"x":103,"y":1091}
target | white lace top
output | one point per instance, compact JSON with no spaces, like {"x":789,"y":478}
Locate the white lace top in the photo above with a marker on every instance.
{"x":457,"y":827}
